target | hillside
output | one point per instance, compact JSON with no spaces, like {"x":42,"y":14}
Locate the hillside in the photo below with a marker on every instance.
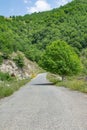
{"x":32,"y":33}
{"x":18,"y":67}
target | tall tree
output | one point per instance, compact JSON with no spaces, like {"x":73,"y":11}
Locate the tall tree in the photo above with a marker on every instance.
{"x":60,"y":58}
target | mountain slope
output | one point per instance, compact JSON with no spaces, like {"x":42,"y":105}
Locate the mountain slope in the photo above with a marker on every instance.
{"x":12,"y":67}
{"x":32,"y":33}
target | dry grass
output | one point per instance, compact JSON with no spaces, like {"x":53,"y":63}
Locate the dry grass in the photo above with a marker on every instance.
{"x":71,"y":82}
{"x":9,"y":87}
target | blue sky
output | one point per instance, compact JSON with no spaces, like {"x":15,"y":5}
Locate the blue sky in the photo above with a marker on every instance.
{"x":21,"y":7}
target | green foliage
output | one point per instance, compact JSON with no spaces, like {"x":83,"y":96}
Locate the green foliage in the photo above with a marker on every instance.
{"x":5,"y":76}
{"x":5,"y":91}
{"x":84,"y":53}
{"x":74,"y":83}
{"x":84,"y":60}
{"x":60,"y":58}
{"x":9,"y":87}
{"x":32,"y":33}
{"x":19,"y":60}
{"x":1,"y":59}
{"x":6,"y":53}
{"x":33,"y":54}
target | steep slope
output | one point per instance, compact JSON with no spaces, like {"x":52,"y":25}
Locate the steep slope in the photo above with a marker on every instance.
{"x":13,"y":68}
{"x":32,"y":33}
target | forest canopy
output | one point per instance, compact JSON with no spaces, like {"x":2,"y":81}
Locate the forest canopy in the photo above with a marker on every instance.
{"x":32,"y":33}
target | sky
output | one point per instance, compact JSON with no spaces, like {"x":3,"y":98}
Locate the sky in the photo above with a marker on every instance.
{"x":22,"y":7}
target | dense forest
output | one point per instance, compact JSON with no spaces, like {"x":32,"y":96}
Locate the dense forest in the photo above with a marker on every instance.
{"x":33,"y":32}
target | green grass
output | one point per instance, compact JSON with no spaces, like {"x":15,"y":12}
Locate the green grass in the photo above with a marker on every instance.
{"x":73,"y":83}
{"x":9,"y":87}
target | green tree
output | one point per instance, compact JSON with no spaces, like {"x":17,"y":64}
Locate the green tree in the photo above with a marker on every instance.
{"x":60,"y":58}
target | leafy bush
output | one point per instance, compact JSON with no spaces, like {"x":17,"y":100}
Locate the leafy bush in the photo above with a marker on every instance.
{"x":5,"y":76}
{"x":1,"y":59}
{"x":19,"y":60}
{"x":6,"y":53}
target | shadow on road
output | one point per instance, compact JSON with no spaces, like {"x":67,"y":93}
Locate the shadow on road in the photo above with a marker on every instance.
{"x":44,"y":84}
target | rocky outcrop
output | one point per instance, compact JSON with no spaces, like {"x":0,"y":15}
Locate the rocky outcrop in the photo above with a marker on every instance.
{"x":27,"y":71}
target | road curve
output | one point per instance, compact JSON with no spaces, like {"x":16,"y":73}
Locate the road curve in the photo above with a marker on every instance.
{"x":41,"y":106}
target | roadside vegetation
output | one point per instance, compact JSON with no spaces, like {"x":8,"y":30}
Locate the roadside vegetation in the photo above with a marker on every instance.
{"x":78,"y":82}
{"x":60,"y":59}
{"x":74,"y":83}
{"x":19,"y":60}
{"x":8,"y":87}
{"x":9,"y":81}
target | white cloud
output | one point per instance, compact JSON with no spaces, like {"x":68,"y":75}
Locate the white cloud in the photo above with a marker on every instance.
{"x":40,"y":5}
{"x":27,"y":1}
{"x":62,"y":2}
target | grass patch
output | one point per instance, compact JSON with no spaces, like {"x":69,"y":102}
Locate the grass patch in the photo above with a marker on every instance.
{"x":9,"y":87}
{"x":73,"y":83}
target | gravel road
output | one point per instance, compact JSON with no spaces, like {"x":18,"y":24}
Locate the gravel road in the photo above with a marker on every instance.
{"x":41,"y":106}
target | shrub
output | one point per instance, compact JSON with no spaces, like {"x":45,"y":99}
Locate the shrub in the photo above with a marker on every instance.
{"x":19,"y":60}
{"x":1,"y":59}
{"x":5,"y":76}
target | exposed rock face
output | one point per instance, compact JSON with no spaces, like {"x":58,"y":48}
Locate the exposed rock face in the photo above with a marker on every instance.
{"x":10,"y":67}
